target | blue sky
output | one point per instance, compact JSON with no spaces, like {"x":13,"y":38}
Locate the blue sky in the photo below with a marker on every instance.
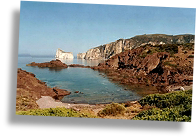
{"x":46,"y":26}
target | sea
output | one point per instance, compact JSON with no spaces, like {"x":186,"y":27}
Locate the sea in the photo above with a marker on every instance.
{"x":94,"y":86}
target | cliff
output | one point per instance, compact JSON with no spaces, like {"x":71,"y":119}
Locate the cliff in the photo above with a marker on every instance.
{"x":60,"y":54}
{"x":81,"y":55}
{"x":108,"y":50}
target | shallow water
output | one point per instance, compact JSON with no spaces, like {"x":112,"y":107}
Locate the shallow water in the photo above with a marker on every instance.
{"x":95,"y":87}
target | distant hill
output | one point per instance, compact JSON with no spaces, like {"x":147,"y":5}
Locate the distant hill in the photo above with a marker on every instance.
{"x":28,"y":55}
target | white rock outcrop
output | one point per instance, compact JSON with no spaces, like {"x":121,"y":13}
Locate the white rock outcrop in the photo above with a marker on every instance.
{"x":81,"y":55}
{"x":60,"y":54}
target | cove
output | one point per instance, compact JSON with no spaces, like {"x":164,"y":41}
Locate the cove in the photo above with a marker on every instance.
{"x":94,"y":87}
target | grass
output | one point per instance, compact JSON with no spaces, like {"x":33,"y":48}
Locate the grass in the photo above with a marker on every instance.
{"x":174,"y":106}
{"x":61,"y":112}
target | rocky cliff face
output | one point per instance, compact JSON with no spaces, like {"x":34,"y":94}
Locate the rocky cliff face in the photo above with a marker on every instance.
{"x":81,"y":55}
{"x":163,"y":66}
{"x":108,"y":50}
{"x":60,"y":54}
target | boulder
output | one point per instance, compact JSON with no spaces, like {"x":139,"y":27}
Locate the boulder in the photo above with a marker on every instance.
{"x":61,"y":92}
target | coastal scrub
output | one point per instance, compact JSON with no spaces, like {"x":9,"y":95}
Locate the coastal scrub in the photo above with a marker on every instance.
{"x":174,"y":106}
{"x":112,"y":109}
{"x":61,"y":112}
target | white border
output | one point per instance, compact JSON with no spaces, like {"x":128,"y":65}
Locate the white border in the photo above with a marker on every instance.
{"x":4,"y":5}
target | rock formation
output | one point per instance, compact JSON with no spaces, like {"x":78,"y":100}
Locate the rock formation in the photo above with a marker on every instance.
{"x":60,"y":54}
{"x":159,"y":65}
{"x":108,"y":50}
{"x":30,"y":89}
{"x":81,"y":55}
{"x":52,"y":64}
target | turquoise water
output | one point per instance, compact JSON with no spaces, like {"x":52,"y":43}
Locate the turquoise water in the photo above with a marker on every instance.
{"x":95,"y":87}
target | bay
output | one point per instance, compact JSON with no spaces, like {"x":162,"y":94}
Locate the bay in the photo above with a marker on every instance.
{"x":94,"y":88}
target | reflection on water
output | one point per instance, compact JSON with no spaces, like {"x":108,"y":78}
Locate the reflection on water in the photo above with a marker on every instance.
{"x":82,"y":62}
{"x":56,"y":69}
{"x":89,"y":62}
{"x":67,"y":61}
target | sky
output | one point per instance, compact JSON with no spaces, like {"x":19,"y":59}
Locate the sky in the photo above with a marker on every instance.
{"x":47,"y":26}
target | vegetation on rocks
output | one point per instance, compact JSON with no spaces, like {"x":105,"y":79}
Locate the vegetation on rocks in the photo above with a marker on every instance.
{"x":25,"y":101}
{"x":170,"y":48}
{"x":61,"y":112}
{"x":174,"y":106}
{"x":188,"y":46}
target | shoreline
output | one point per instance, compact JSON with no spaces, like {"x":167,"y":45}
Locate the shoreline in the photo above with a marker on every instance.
{"x":58,"y":103}
{"x":48,"y":106}
{"x":56,"y":93}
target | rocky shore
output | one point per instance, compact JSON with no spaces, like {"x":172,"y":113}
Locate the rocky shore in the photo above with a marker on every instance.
{"x":35,"y":98}
{"x":52,"y":64}
{"x":30,"y":89}
{"x":35,"y":94}
{"x":168,"y":67}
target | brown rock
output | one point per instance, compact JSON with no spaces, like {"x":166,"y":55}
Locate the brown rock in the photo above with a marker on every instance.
{"x":52,"y":64}
{"x":60,"y":92}
{"x":157,"y":68}
{"x":29,"y":87}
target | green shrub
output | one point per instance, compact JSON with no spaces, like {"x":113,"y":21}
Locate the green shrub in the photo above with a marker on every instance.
{"x":178,"y":113}
{"x":168,"y":100}
{"x":191,"y":56}
{"x":61,"y":112}
{"x":170,"y":48}
{"x":112,"y":109}
{"x":174,"y":106}
{"x":188,"y":46}
{"x":143,"y":55}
